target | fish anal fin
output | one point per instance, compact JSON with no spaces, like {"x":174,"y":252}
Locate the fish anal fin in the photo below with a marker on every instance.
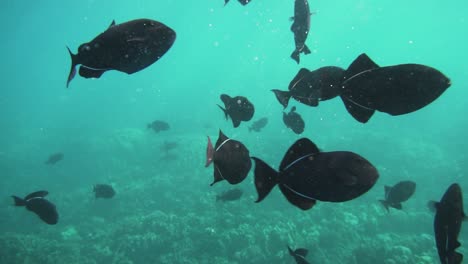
{"x":387,"y":190}
{"x":297,"y":200}
{"x":226,"y":115}
{"x":235,"y":122}
{"x":217,"y":175}
{"x":360,"y":64}
{"x":397,"y":206}
{"x":306,"y":49}
{"x":301,"y":252}
{"x":90,"y":73}
{"x":359,"y":113}
{"x":299,"y":149}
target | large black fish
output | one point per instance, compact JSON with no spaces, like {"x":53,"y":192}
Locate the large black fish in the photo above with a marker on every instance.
{"x":300,"y":28}
{"x":397,"y":194}
{"x":299,"y":255}
{"x":231,"y":195}
{"x":243,"y":2}
{"x":54,"y":158}
{"x":230,"y":158}
{"x":294,"y":121}
{"x":447,"y":224}
{"x":396,"y":90}
{"x":307,"y":175}
{"x":158,"y":126}
{"x":259,"y":124}
{"x":237,"y":108}
{"x":311,"y":87}
{"x":128,"y":47}
{"x":103,"y":191}
{"x":36,"y":203}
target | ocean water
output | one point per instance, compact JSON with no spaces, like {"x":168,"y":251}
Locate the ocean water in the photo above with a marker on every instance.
{"x":165,"y":211}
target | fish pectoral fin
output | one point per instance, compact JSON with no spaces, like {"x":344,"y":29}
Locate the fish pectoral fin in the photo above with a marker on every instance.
{"x":296,"y":199}
{"x":359,"y":113}
{"x":90,"y":73}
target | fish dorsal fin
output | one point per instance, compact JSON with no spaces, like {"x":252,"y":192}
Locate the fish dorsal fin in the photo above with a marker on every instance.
{"x":301,"y":252}
{"x":221,"y":140}
{"x":225,"y":98}
{"x":112,"y":24}
{"x":293,"y":109}
{"x":37,"y":194}
{"x":360,"y":64}
{"x":387,"y":190}
{"x":299,"y":149}
{"x":301,"y":75}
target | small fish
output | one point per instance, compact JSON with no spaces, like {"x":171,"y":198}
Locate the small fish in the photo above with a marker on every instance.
{"x":306,"y":175}
{"x":230,"y":158}
{"x":35,"y":202}
{"x":158,"y":126}
{"x":54,"y":158}
{"x":447,"y":224}
{"x":103,"y":191}
{"x":397,"y":194}
{"x":300,"y":28}
{"x":294,"y":121}
{"x":311,"y":87}
{"x":128,"y":47}
{"x":237,"y":108}
{"x":299,"y":255}
{"x":243,"y":2}
{"x":231,"y":195}
{"x":259,"y":124}
{"x":168,"y":146}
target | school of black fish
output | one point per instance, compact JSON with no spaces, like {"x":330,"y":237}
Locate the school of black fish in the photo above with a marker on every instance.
{"x":306,"y":174}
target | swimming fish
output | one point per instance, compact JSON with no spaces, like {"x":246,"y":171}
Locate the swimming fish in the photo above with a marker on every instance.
{"x":299,"y":255}
{"x":54,"y":158}
{"x":35,"y":202}
{"x":300,"y":28}
{"x":230,"y":159}
{"x":158,"y":126}
{"x":259,"y":124}
{"x":128,"y":47}
{"x":103,"y":191}
{"x":397,"y":194}
{"x":311,"y":87}
{"x":396,"y":90}
{"x":243,"y":2}
{"x":447,"y":224}
{"x":238,"y":108}
{"x":306,"y":175}
{"x":294,"y":121}
{"x":230,"y":195}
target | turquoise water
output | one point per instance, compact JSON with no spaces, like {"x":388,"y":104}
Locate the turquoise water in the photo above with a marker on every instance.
{"x":165,"y":210}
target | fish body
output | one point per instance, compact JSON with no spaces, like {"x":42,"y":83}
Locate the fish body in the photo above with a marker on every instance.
{"x":243,"y":2}
{"x":299,"y":255}
{"x":158,"y":126}
{"x":54,"y":158}
{"x":300,"y":28}
{"x":128,"y":47}
{"x":258,"y":125}
{"x":230,"y":195}
{"x":311,"y":87}
{"x":103,"y":191}
{"x":307,"y":175}
{"x":230,"y":158}
{"x":35,"y":202}
{"x":396,"y":90}
{"x":447,"y":225}
{"x":237,"y":108}
{"x":294,"y":121}
{"x":397,"y":194}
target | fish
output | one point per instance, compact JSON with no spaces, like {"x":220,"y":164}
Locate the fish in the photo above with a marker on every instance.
{"x":397,"y":194}
{"x":35,"y":202}
{"x":230,"y":158}
{"x":168,"y":145}
{"x":103,"y":191}
{"x":243,"y":2}
{"x":299,"y":255}
{"x":300,"y":28}
{"x":294,"y":121}
{"x":307,"y":175}
{"x":54,"y":158}
{"x":259,"y":124}
{"x":158,"y":126}
{"x":127,"y":47}
{"x":395,"y":90}
{"x":447,"y":224}
{"x":311,"y":87}
{"x":230,"y":195}
{"x":237,"y":108}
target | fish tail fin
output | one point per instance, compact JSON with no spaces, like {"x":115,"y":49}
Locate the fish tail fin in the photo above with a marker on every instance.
{"x":432,"y":205}
{"x":209,"y":153}
{"x":265,"y":178}
{"x":18,"y":201}
{"x":291,"y":252}
{"x":282,"y":96}
{"x":224,"y":111}
{"x":385,"y":204}
{"x":295,"y":56}
{"x":72,"y":73}
{"x":225,"y":2}
{"x":306,"y":49}
{"x":456,"y":258}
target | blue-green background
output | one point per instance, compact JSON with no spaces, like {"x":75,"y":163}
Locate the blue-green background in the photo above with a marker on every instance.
{"x":165,"y":210}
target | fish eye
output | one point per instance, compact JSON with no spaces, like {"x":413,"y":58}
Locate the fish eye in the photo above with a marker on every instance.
{"x":239,"y":101}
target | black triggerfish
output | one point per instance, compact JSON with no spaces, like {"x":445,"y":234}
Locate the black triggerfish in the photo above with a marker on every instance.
{"x":35,"y":202}
{"x":128,"y":47}
{"x":300,"y":28}
{"x":397,"y":194}
{"x":299,"y":255}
